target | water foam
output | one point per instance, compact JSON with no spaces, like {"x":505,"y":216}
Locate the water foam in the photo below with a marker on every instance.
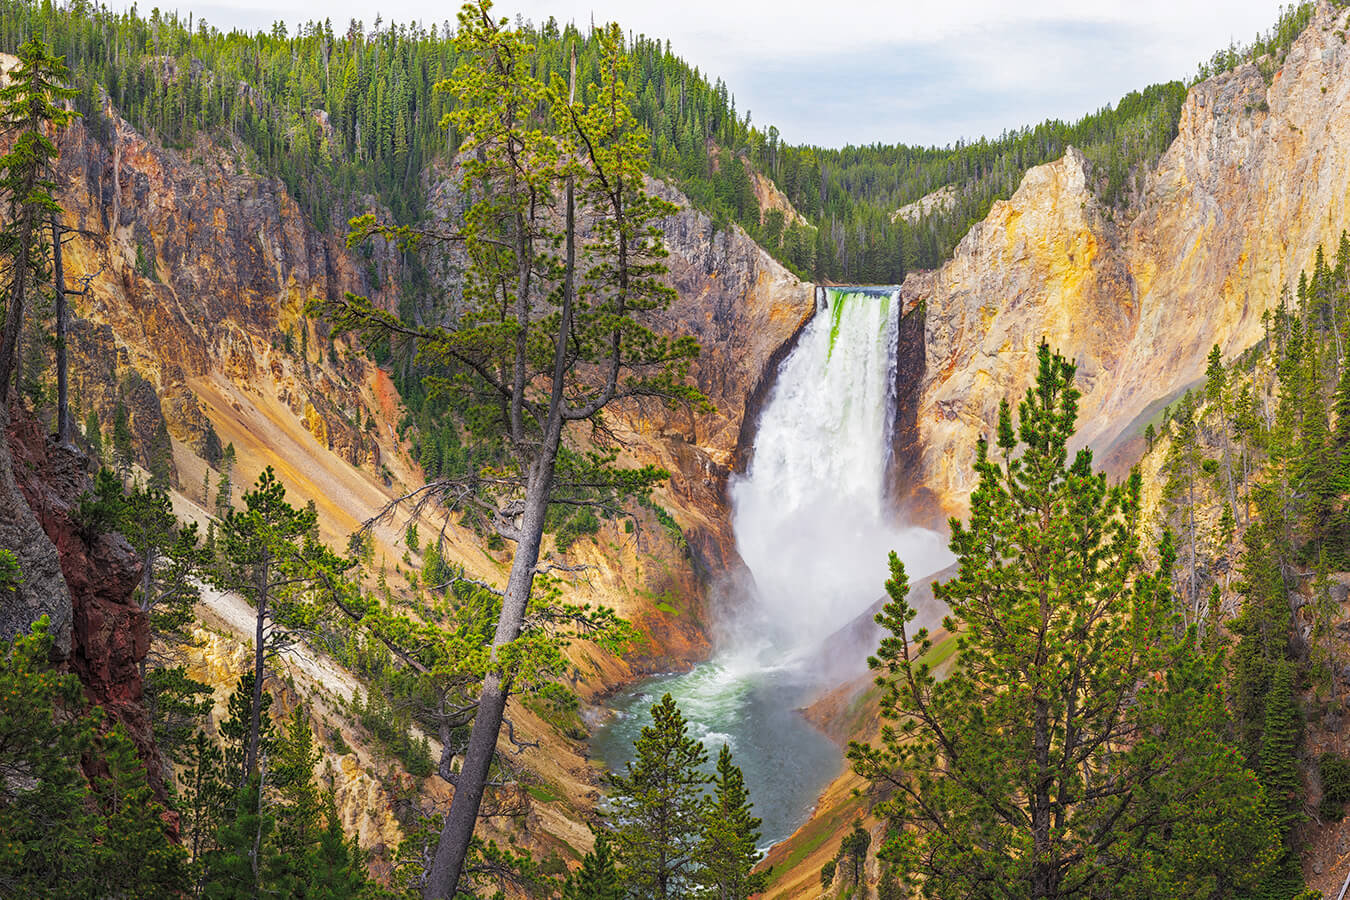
{"x":810,"y":514}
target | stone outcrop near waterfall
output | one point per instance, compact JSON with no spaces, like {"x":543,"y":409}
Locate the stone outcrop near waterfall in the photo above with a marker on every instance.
{"x":1258,"y":176}
{"x":743,"y":307}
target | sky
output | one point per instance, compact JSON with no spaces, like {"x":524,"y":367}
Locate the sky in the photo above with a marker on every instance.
{"x":890,"y":71}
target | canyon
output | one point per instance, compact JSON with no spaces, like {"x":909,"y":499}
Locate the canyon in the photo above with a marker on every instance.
{"x":1254,"y":182}
{"x":202,"y":270}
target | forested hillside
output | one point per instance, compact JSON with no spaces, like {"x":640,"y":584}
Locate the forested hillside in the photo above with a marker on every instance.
{"x":348,"y":111}
{"x":852,"y":194}
{"x":344,"y":110}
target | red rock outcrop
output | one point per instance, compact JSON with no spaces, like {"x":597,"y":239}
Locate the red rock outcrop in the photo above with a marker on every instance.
{"x":109,"y":634}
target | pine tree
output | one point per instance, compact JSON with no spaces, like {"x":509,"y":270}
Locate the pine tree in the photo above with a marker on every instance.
{"x":234,"y":868}
{"x":47,"y":830}
{"x":1070,"y":681}
{"x":336,"y":869}
{"x":729,"y":848}
{"x":1338,"y":544}
{"x":93,"y":433}
{"x":1264,"y":631}
{"x":124,"y":453}
{"x":1280,"y":735}
{"x":225,"y":487}
{"x":1220,"y":417}
{"x":205,"y":793}
{"x":533,"y":153}
{"x":659,"y":807}
{"x":1280,"y":775}
{"x":172,"y":562}
{"x":29,"y":109}
{"x":1277,"y":496}
{"x":1248,"y":426}
{"x":292,"y":777}
{"x":236,"y":729}
{"x":827,"y":874}
{"x":1181,"y":492}
{"x":160,"y":458}
{"x":273,"y":560}
{"x":211,"y":448}
{"x":597,"y":879}
{"x":308,"y":856}
{"x":854,"y":848}
{"x":1316,"y":467}
{"x":1323,"y":659}
{"x":136,"y":859}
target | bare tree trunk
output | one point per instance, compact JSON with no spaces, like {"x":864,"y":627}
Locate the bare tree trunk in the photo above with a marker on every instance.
{"x":447,"y":867}
{"x":62,"y":379}
{"x":1228,"y":458}
{"x":1246,"y":482}
{"x":1191,"y":528}
{"x":147,"y":584}
{"x":259,"y":654}
{"x":255,"y":856}
{"x":9,"y":341}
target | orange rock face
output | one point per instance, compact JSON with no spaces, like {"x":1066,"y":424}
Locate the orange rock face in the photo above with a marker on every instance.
{"x":1258,"y":176}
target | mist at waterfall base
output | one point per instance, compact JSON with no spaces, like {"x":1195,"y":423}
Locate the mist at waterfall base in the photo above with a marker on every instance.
{"x":811,"y":523}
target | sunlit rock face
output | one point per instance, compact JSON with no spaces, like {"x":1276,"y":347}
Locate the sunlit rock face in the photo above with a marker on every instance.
{"x":1258,"y":176}
{"x":202,"y":269}
{"x":195,"y":317}
{"x":744,"y":308}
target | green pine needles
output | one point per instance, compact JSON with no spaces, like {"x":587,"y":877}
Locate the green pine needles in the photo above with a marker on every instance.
{"x":29,"y":106}
{"x":1079,"y":746}
{"x":670,"y":837}
{"x":67,"y":831}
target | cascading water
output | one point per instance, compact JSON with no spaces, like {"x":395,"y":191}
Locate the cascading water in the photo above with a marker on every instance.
{"x":809,"y":514}
{"x":811,"y":524}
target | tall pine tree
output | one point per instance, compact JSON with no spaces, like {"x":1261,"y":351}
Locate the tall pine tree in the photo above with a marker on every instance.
{"x":659,"y":808}
{"x":1030,"y":769}
{"x":729,"y":848}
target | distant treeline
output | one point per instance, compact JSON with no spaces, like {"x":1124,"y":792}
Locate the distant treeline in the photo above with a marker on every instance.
{"x":342,"y":113}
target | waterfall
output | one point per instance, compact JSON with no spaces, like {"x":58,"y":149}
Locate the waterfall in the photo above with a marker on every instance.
{"x":810,"y":514}
{"x":812,"y":524}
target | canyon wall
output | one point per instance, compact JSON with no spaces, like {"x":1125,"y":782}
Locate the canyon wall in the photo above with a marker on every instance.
{"x":1257,"y":178}
{"x":194,"y":317}
{"x":193,"y":323}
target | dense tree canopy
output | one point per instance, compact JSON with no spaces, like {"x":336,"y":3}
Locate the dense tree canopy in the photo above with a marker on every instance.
{"x":342,"y":110}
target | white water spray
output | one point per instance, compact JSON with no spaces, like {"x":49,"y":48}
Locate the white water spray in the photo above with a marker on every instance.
{"x":810,"y":514}
{"x":812,"y":525}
